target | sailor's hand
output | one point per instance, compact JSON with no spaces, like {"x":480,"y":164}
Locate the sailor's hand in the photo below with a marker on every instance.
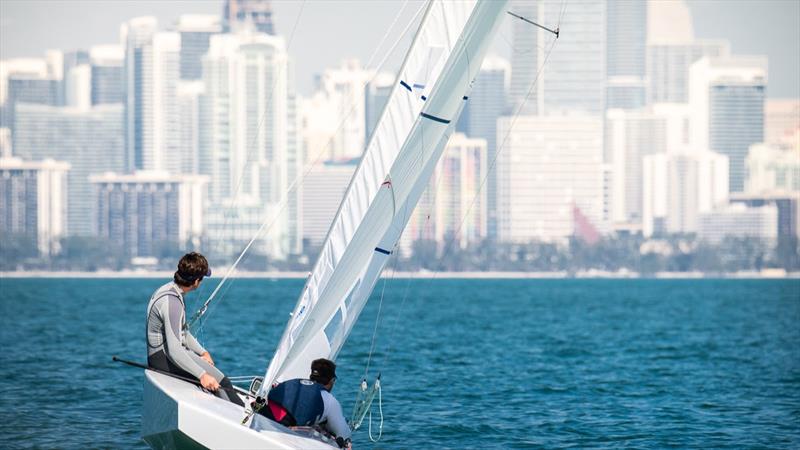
{"x":207,"y":356}
{"x":208,"y":382}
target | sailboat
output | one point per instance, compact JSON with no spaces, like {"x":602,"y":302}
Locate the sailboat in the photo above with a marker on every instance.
{"x":431,"y":88}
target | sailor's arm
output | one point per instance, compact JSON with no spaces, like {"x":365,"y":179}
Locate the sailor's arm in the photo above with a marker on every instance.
{"x":172,"y":311}
{"x":333,"y":413}
{"x":192,"y":344}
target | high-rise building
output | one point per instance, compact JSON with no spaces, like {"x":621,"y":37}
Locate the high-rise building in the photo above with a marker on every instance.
{"x":107,"y":62}
{"x":672,"y":49}
{"x":487,"y":101}
{"x":630,"y":136}
{"x":27,"y":67}
{"x":322,"y":192}
{"x":460,"y":207}
{"x":32,"y":89}
{"x":149,"y":211}
{"x":152,"y":71}
{"x":339,"y":111}
{"x":137,"y":36}
{"x":549,"y":165}
{"x":71,"y":60}
{"x":90,"y":140}
{"x":244,"y":140}
{"x":788,"y":205}
{"x":526,"y":57}
{"x":188,"y":97}
{"x":782,"y":121}
{"x":771,"y":168}
{"x":195,"y":31}
{"x":727,"y":99}
{"x":626,"y":54}
{"x":739,"y":220}
{"x":249,"y":13}
{"x":574,"y":78}
{"x":668,"y":67}
{"x":679,"y":186}
{"x":77,"y":87}
{"x":33,"y":202}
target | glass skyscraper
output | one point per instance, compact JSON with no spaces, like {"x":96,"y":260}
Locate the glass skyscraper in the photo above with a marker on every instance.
{"x":625,"y":58}
{"x":107,"y":62}
{"x":195,"y":30}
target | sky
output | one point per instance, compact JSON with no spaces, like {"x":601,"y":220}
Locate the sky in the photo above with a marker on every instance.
{"x":328,"y":31}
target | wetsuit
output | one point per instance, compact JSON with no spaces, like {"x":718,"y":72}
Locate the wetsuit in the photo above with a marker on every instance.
{"x":171,"y":348}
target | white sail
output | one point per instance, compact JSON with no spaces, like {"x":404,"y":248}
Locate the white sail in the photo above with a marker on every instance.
{"x":439,"y":69}
{"x":366,"y":282}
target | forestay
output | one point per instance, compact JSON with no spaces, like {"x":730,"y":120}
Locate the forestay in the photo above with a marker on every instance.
{"x":401,"y":155}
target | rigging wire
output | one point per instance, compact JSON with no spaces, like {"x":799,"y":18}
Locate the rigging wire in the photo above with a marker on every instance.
{"x":247,"y":161}
{"x":448,"y":246}
{"x":298,"y":181}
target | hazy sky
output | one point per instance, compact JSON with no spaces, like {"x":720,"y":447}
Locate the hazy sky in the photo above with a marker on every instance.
{"x":328,"y":30}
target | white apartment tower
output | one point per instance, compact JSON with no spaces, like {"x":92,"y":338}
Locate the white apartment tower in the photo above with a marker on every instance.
{"x":152,"y":71}
{"x":244,"y":131}
{"x":549,"y":166}
{"x":322,"y":192}
{"x":679,"y":186}
{"x":33,"y":201}
{"x":625,"y":55}
{"x":727,"y":100}
{"x":145,"y":210}
{"x":337,"y":117}
{"x":575,"y":74}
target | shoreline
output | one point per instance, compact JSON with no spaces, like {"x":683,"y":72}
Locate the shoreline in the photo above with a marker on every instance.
{"x":764,"y":274}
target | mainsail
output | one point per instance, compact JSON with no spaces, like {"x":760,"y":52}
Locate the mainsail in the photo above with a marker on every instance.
{"x":432,"y":86}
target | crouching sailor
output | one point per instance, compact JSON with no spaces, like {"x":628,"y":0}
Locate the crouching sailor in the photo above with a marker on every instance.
{"x":302,"y":402}
{"x":171,"y":347}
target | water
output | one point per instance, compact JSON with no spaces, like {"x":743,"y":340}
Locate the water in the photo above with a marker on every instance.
{"x":472,"y":363}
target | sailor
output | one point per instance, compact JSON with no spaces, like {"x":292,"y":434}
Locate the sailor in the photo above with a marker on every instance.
{"x":308,"y":402}
{"x":170,"y":345}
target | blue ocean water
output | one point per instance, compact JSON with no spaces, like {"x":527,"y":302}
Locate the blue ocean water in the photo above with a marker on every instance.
{"x":465,"y":363}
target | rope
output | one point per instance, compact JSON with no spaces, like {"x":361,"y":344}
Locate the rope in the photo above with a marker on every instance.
{"x":378,"y":316}
{"x":380,"y":427}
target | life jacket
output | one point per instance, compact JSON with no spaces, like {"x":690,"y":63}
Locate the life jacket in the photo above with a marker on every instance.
{"x":295,"y":403}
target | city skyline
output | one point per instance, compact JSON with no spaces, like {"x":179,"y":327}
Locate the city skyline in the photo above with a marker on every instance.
{"x":753,"y":27}
{"x":636,"y":126}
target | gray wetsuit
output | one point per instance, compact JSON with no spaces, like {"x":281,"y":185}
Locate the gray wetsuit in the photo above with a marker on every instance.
{"x":171,"y":347}
{"x":333,"y":418}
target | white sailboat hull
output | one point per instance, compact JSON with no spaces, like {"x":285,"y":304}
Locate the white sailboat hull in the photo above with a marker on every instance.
{"x":179,"y":415}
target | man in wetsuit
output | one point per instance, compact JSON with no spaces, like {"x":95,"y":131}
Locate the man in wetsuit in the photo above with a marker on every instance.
{"x":170,"y":345}
{"x":309,"y":402}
